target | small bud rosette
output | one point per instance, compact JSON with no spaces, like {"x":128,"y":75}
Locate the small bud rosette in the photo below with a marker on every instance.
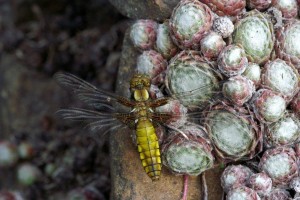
{"x":191,"y":80}
{"x":223,"y":26}
{"x":280,"y":77}
{"x":289,"y":8}
{"x":143,"y":34}
{"x":178,"y":112}
{"x":164,"y":43}
{"x":288,"y":43}
{"x":235,"y":176}
{"x":233,"y":132}
{"x":189,"y":22}
{"x":232,"y":61}
{"x":295,"y":184}
{"x":211,"y":45}
{"x":190,"y":153}
{"x":260,"y":5}
{"x":242,"y":192}
{"x":280,"y":164}
{"x":261,"y":183}
{"x":255,"y":34}
{"x":286,"y":131}
{"x":226,"y":7}
{"x":238,"y":89}
{"x":253,"y":72}
{"x":268,"y":106}
{"x":152,"y":63}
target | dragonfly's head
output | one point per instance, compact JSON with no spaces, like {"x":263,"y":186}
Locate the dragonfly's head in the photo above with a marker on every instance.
{"x":139,"y":86}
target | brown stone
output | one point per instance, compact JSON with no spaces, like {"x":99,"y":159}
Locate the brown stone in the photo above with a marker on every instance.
{"x":147,"y":9}
{"x":129,"y":181}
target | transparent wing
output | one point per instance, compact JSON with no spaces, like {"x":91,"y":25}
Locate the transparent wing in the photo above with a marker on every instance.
{"x":88,"y":93}
{"x":98,"y":121}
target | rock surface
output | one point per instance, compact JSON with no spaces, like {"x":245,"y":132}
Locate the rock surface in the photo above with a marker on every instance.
{"x":129,"y":181}
{"x":146,"y":9}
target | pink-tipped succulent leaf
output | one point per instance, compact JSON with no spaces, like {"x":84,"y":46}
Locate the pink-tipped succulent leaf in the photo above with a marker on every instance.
{"x":232,"y":60}
{"x":152,"y":63}
{"x":226,"y":7}
{"x":211,"y":45}
{"x":238,"y":89}
{"x":261,"y":183}
{"x":280,"y":164}
{"x":235,"y":176}
{"x":189,"y":22}
{"x":143,"y":34}
{"x":268,"y":106}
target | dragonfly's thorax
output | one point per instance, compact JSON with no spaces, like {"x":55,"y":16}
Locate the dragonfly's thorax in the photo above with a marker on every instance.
{"x":141,"y":111}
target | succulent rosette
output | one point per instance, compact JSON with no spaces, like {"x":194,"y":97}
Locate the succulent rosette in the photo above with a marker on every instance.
{"x":242,"y":192}
{"x":189,"y":22}
{"x":286,"y":131}
{"x":152,"y":63}
{"x":223,"y":26}
{"x":191,"y":80}
{"x":164,"y":43}
{"x":261,"y":183}
{"x":289,"y":8}
{"x":254,"y":32}
{"x":268,"y":106}
{"x":235,"y":176}
{"x":143,"y":34}
{"x":178,"y":111}
{"x":295,"y":184}
{"x":188,"y":152}
{"x":278,"y":194}
{"x":226,"y":7}
{"x":232,"y":60}
{"x":238,"y":89}
{"x":280,"y":77}
{"x":280,"y":164}
{"x":260,"y":5}
{"x":295,"y":104}
{"x":288,"y":42}
{"x":253,"y":72}
{"x":211,"y":45}
{"x":242,"y":137}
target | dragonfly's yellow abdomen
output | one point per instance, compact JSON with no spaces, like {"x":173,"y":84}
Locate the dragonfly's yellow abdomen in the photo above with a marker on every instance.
{"x":148,"y":148}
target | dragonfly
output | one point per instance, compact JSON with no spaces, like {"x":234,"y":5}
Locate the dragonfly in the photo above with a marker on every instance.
{"x":142,"y":116}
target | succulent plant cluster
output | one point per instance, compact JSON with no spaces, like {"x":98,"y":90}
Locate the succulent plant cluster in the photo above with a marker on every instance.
{"x":235,"y":66}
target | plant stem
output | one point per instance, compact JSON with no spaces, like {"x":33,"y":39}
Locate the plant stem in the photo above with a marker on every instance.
{"x":185,"y":187}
